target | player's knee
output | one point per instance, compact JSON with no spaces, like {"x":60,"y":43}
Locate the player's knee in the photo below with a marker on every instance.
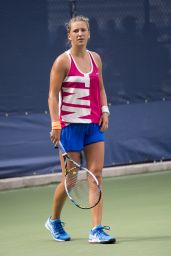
{"x":98,"y":173}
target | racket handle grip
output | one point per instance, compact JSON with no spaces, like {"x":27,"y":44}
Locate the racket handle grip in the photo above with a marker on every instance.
{"x":61,"y":147}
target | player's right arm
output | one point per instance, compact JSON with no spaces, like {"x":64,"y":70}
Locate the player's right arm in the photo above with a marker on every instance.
{"x":58,"y":72}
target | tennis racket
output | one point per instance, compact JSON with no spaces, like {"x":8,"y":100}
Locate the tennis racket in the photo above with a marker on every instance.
{"x":81,"y":185}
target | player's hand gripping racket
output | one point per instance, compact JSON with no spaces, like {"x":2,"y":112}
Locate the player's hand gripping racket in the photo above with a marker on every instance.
{"x":81,"y":185}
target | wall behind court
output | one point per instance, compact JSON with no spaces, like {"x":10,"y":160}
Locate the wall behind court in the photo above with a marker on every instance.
{"x":134,"y":41}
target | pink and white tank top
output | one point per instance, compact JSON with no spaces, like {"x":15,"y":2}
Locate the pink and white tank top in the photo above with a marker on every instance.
{"x":80,"y":95}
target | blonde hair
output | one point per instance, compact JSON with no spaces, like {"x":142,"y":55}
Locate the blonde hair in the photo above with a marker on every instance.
{"x":77,"y":18}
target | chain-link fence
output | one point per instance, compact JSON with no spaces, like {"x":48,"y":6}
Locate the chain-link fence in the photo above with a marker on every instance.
{"x":133,"y":38}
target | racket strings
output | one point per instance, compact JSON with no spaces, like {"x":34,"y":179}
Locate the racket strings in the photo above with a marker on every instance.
{"x":93,"y":191}
{"x":71,"y":178}
{"x":82,"y":188}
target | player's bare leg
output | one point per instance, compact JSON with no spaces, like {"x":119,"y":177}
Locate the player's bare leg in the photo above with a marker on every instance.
{"x":60,"y":193}
{"x":95,"y":159}
{"x":94,"y":154}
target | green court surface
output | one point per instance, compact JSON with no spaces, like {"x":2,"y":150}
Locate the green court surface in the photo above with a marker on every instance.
{"x":137,"y":208}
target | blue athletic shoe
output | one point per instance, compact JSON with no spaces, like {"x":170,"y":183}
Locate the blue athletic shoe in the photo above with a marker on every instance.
{"x":57,"y":230}
{"x":97,"y":235}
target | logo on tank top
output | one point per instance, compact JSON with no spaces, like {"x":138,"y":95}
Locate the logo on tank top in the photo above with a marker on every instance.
{"x":79,"y":97}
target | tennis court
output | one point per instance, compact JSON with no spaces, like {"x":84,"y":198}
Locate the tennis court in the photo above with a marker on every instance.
{"x":137,"y":208}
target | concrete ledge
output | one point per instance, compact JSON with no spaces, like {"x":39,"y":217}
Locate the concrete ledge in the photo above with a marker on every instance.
{"x":46,"y":179}
{"x":28,"y":181}
{"x":137,"y":168}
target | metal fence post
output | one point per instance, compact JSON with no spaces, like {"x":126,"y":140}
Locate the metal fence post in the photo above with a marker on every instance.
{"x":146,"y":13}
{"x":73,"y":8}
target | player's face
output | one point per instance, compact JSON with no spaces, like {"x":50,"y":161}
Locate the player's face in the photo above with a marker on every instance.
{"x":79,"y":33}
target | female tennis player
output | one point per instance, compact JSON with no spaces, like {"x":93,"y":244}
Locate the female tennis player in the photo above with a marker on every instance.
{"x":79,"y":116}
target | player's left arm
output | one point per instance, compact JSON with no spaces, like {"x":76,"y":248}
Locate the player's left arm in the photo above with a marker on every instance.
{"x":104,"y":120}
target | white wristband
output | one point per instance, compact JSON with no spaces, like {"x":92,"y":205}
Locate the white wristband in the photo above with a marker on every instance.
{"x":105,"y":109}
